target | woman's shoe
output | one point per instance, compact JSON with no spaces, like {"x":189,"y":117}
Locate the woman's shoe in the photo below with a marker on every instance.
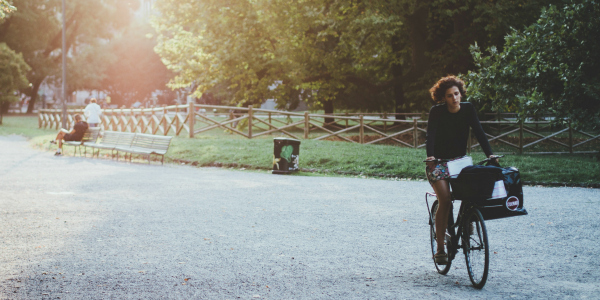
{"x":441,"y":258}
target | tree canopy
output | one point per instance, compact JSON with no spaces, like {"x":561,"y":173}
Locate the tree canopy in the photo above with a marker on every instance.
{"x":35,"y":30}
{"x":550,"y":67}
{"x":13,"y":70}
{"x":5,"y":8}
{"x":354,"y":54}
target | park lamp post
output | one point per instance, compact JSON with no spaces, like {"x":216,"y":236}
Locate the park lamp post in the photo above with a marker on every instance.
{"x":64,"y":69}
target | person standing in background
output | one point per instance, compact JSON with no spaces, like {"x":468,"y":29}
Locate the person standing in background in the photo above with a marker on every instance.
{"x":92,"y":113}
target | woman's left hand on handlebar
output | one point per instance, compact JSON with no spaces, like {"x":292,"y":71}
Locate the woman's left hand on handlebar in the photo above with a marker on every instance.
{"x":495,"y":159}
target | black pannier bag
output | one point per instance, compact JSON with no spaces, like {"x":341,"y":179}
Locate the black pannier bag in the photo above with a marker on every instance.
{"x":476,"y":183}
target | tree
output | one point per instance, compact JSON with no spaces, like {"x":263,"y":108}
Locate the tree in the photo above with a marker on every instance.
{"x":249,"y":48}
{"x":137,"y":70}
{"x":550,"y":67}
{"x":354,"y":54}
{"x":5,"y":8}
{"x":35,"y":30}
{"x":13,"y":70}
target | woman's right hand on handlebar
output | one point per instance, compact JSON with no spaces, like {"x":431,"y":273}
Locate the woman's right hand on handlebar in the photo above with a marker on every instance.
{"x":431,"y":160}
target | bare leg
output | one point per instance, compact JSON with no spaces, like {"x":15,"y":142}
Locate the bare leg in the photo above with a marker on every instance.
{"x":442,"y":190}
{"x":59,"y":138}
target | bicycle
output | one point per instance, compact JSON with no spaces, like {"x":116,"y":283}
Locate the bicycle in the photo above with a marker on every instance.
{"x":468,"y":233}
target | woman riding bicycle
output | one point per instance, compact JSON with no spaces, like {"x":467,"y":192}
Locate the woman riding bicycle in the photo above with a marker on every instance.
{"x":447,"y":135}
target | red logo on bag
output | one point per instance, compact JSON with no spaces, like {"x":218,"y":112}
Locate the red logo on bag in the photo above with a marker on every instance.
{"x":512,"y":203}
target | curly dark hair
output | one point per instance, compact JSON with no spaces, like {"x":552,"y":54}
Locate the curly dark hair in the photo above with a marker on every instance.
{"x":439,"y":88}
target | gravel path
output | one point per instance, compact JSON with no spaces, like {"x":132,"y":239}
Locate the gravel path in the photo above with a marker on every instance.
{"x":82,"y":228}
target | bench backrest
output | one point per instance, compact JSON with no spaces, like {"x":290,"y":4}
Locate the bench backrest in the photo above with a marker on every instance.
{"x":91,"y":134}
{"x":150,"y":141}
{"x":110,"y":138}
{"x":125,"y":139}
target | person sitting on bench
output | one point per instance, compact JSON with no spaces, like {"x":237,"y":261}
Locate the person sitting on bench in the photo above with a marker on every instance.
{"x":76,"y":134}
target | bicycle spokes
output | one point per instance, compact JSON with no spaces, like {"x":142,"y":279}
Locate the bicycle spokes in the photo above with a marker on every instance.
{"x":476,"y":248}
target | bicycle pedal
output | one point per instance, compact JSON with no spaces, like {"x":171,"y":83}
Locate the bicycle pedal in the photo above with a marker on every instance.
{"x":452,"y":254}
{"x":448,"y":239}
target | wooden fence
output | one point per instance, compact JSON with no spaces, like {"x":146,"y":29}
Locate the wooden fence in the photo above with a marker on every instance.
{"x":378,"y":128}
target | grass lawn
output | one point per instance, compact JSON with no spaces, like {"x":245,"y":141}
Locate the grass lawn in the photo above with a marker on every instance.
{"x":328,"y":158}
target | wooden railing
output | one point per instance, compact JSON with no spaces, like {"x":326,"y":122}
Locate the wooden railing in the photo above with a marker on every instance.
{"x":362,"y":129}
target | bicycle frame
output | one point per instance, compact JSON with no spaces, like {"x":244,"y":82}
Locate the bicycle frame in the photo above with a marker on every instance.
{"x":454,"y":227}
{"x":476,"y":249}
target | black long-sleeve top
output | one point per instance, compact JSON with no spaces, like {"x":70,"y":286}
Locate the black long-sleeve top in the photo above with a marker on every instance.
{"x":447,"y":132}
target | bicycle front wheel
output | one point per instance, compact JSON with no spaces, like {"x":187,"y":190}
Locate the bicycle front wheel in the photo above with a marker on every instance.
{"x":442,"y":269}
{"x":476,"y":248}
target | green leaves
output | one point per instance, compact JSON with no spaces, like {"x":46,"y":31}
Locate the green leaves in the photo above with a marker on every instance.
{"x":273,"y":49}
{"x":5,"y":8}
{"x":13,"y":70}
{"x":34,"y":30}
{"x":550,"y":67}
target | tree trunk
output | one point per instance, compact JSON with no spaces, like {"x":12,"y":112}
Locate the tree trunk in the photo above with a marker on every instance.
{"x":34,"y":95}
{"x":397,"y":73}
{"x":463,"y":40}
{"x":4,"y":105}
{"x":328,"y":107}
{"x":417,"y":30}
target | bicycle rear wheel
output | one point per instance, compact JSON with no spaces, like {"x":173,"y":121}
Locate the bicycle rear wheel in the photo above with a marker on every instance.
{"x":476,"y":248}
{"x":442,"y":269}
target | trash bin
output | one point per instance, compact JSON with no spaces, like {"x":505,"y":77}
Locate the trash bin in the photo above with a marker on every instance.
{"x":285,"y":155}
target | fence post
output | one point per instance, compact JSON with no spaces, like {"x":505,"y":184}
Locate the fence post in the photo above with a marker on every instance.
{"x":191,"y":118}
{"x":177,"y":122}
{"x":361,"y":134}
{"x":58,"y":120}
{"x":570,"y":137}
{"x":346,"y":120}
{"x":164,"y":120}
{"x":306,"y":125}
{"x":152,"y":123}
{"x":250,"y":116}
{"x":40,"y":119}
{"x":142,"y":126}
{"x":521,"y":142}
{"x":115,"y":119}
{"x":133,"y":125}
{"x":498,"y":126}
{"x":269,"y":120}
{"x":415,"y":133}
{"x":384,"y":122}
{"x":120,"y":119}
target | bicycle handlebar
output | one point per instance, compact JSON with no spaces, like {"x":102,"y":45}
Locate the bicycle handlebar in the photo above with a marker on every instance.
{"x":494,"y":157}
{"x":479,"y":163}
